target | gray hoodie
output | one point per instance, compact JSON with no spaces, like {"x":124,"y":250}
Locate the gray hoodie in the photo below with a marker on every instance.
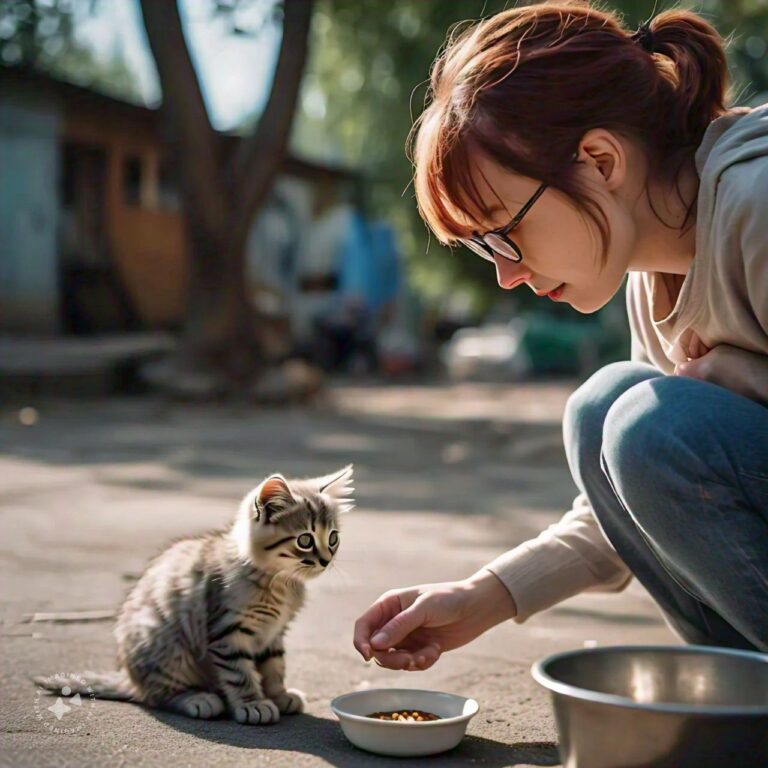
{"x":724,"y":297}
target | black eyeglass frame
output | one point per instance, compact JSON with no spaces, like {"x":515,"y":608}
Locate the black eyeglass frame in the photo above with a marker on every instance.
{"x":477,"y":244}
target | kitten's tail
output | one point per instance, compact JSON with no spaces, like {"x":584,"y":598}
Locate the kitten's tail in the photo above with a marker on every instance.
{"x":103,"y":685}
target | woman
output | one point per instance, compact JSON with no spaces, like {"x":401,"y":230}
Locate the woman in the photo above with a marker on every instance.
{"x":569,"y":152}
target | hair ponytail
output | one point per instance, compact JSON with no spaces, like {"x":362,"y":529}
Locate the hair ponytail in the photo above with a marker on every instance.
{"x":692,"y":62}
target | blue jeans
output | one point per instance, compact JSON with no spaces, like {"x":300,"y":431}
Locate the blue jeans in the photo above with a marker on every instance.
{"x":676,"y":471}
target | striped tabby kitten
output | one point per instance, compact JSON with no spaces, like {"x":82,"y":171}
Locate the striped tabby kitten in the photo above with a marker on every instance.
{"x":202,"y":630}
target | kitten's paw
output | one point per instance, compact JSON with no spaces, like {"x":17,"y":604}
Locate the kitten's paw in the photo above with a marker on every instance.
{"x":260,"y":712}
{"x":197,"y":704}
{"x":291,"y":701}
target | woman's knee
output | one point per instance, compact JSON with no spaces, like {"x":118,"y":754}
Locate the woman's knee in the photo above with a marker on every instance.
{"x":587,"y":407}
{"x":652,"y":442}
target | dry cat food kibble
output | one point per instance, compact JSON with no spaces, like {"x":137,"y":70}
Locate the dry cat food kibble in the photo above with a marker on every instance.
{"x":405,"y":716}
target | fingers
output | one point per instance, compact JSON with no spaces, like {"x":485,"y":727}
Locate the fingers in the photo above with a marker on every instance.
{"x":412,"y":661}
{"x":692,"y":368}
{"x":377,"y":616}
{"x":397,"y":629}
{"x":393,"y":659}
{"x":696,"y":347}
{"x":427,"y":656}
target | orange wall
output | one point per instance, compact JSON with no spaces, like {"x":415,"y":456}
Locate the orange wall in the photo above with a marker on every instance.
{"x":147,"y":243}
{"x":150,"y":251}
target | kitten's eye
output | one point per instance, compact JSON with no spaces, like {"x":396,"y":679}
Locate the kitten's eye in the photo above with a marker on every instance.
{"x":333,"y":539}
{"x":305,"y":541}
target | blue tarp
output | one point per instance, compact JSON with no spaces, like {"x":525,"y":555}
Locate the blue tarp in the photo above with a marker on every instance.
{"x":369,"y":262}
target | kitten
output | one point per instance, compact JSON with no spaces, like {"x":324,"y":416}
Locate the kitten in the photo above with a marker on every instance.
{"x":201,"y":632}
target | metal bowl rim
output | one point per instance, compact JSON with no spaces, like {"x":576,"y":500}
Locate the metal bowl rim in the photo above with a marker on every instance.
{"x":539,"y":673}
{"x":443,"y":721}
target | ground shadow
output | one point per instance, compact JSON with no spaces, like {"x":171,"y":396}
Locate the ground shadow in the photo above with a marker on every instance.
{"x":323,"y":738}
{"x":610,"y":618}
{"x":174,"y":446}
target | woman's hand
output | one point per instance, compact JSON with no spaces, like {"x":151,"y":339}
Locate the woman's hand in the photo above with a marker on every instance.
{"x":409,"y":628}
{"x":740,"y":371}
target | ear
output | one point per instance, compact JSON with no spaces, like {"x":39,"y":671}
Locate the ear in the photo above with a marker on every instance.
{"x":272,"y":497}
{"x":603,"y":151}
{"x":339,"y":486}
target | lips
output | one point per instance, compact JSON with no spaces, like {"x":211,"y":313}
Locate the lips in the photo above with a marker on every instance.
{"x":554,"y":293}
{"x":557,"y":292}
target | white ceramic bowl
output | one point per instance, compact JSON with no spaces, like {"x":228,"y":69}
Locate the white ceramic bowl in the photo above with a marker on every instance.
{"x":387,"y":737}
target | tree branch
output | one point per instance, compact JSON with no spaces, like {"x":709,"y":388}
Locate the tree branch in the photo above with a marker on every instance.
{"x":257,"y":159}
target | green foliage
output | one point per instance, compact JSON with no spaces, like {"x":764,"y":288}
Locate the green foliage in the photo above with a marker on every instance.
{"x":366,"y":83}
{"x":41,"y":34}
{"x":745,"y":24}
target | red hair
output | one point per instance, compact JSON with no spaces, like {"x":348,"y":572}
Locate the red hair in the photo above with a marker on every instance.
{"x":525,"y":85}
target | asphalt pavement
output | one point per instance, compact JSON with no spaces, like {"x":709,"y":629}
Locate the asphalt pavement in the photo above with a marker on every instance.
{"x":447,"y":476}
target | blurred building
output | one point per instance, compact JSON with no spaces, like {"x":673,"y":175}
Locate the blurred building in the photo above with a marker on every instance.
{"x":92,"y":236}
{"x":93,"y":240}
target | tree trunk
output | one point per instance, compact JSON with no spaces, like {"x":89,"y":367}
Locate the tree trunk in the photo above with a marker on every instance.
{"x":218,"y":329}
{"x":221,"y":332}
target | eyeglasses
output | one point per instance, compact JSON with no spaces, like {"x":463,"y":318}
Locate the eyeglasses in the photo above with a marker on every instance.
{"x":497,"y":242}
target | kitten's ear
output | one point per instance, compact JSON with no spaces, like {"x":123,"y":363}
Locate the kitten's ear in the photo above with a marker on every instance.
{"x":339,"y":486}
{"x":273,"y":497}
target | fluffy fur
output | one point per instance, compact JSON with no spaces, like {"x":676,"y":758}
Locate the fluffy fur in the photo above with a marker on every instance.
{"x":201,"y":632}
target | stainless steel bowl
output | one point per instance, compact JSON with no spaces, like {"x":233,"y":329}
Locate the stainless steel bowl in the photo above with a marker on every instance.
{"x":659,"y":706}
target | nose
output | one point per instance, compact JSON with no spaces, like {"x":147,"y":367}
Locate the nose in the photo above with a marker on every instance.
{"x":322,"y":562}
{"x":510,"y":274}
